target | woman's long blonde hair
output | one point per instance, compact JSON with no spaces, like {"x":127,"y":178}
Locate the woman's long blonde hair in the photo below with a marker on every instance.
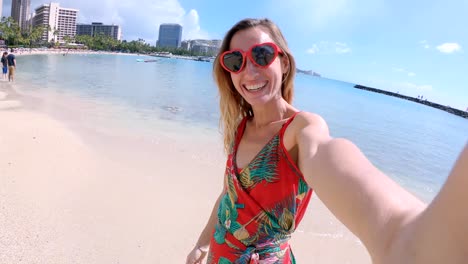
{"x":233,"y":107}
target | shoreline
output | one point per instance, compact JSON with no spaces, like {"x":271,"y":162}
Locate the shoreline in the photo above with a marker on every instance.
{"x":60,"y":51}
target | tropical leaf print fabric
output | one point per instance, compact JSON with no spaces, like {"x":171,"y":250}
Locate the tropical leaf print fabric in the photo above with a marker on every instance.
{"x":262,"y":206}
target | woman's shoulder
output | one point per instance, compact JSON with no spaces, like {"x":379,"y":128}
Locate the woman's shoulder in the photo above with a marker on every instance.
{"x":307,"y":119}
{"x":310,"y":127}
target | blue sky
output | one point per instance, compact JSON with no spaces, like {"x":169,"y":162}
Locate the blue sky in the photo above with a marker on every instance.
{"x":411,"y":47}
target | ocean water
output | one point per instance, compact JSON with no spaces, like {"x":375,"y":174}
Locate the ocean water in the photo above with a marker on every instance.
{"x":414,"y":144}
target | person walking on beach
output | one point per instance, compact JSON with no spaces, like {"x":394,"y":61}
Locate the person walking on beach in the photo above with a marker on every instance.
{"x":11,"y":65}
{"x":277,"y":156}
{"x":4,"y":65}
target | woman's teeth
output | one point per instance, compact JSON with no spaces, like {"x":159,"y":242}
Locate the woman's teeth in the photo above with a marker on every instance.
{"x":255,"y":86}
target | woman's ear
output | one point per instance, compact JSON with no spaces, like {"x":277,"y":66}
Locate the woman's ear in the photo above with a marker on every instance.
{"x":284,"y":64}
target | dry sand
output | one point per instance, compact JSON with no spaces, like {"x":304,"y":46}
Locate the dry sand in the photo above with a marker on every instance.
{"x":78,"y":192}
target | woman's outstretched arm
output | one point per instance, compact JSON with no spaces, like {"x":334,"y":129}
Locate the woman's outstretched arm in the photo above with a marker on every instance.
{"x":375,"y":208}
{"x":440,"y":233}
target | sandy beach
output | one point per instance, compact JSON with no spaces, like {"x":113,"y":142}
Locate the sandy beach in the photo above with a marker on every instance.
{"x":79,"y":191}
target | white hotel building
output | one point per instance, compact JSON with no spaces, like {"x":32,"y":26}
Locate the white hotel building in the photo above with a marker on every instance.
{"x":62,"y":21}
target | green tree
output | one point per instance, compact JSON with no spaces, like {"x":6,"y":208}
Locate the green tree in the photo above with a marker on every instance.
{"x":10,"y":31}
{"x":35,"y":35}
{"x":67,"y":39}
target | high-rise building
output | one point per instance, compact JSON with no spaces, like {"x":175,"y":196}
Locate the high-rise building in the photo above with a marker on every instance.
{"x":202,"y":46}
{"x":20,"y":12}
{"x":170,"y":35}
{"x":96,"y":28}
{"x":60,"y":21}
{"x":1,"y":8}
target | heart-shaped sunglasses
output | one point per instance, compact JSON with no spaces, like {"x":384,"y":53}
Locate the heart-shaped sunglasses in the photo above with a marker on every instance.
{"x":262,"y":55}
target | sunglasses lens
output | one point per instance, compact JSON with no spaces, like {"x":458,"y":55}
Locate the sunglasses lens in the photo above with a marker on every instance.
{"x":263,"y":55}
{"x":233,"y":61}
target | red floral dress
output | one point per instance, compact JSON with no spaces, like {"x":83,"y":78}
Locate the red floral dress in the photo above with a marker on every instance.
{"x":263,"y":204}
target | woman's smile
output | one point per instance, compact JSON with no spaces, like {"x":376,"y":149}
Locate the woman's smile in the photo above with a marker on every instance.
{"x":255,"y":86}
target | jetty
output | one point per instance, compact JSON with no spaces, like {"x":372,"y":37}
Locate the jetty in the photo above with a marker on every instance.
{"x":445,"y":108}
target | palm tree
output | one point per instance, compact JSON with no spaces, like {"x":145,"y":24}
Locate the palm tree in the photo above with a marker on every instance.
{"x":55,"y":33}
{"x":35,"y":34}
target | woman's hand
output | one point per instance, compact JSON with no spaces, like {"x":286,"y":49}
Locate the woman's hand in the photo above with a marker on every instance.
{"x":196,"y":256}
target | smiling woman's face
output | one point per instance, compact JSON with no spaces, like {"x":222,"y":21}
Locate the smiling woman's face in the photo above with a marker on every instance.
{"x":257,"y":85}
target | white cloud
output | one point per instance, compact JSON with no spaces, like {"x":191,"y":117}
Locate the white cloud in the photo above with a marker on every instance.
{"x":325,"y":47}
{"x":411,"y":74}
{"x":449,"y":47}
{"x":444,"y":48}
{"x":342,"y":48}
{"x":138,"y":19}
{"x":424,"y":44}
{"x":192,"y":26}
{"x":313,"y":50}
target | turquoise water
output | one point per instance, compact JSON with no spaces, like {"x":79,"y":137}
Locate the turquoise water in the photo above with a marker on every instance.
{"x":414,"y":144}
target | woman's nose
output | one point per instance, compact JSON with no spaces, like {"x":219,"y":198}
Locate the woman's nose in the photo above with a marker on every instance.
{"x":250,"y":67}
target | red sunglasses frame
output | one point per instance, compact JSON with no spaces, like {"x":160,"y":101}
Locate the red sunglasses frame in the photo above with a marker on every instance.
{"x":248,"y":54}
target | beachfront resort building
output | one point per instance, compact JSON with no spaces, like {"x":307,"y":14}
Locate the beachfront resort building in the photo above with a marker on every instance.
{"x":60,"y":21}
{"x":170,"y":35}
{"x":202,"y":46}
{"x":20,"y":13}
{"x":97,"y":28}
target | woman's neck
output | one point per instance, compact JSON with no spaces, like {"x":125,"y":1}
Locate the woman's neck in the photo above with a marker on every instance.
{"x":271,"y":113}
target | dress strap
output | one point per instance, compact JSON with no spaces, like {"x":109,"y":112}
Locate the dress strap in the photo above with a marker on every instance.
{"x":239,"y":133}
{"x":286,"y":124}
